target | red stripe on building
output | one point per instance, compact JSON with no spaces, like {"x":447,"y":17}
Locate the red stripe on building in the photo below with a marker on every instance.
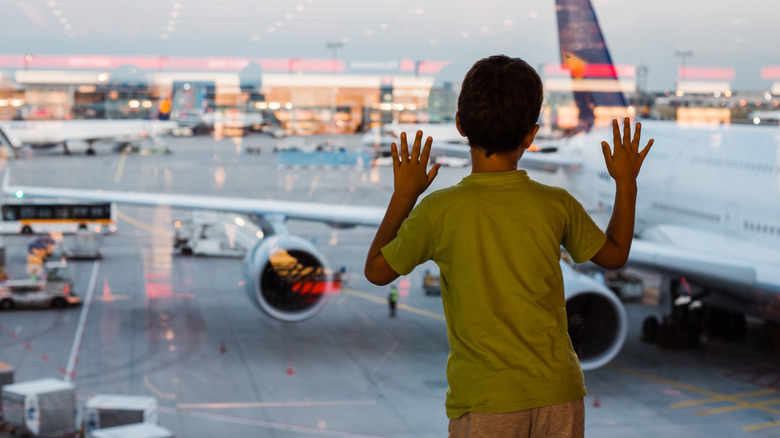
{"x":709,"y":73}
{"x":770,"y":73}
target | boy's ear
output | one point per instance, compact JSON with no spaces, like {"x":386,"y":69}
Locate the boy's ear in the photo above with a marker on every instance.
{"x":529,"y":138}
{"x":457,"y":125}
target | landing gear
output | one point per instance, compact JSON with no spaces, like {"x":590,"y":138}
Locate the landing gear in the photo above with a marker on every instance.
{"x":682,"y":327}
{"x":724,"y":324}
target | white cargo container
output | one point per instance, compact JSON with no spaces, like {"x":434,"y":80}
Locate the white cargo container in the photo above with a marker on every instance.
{"x":40,"y":408}
{"x":110,"y":410}
{"x":140,"y":430}
{"x":6,"y":378}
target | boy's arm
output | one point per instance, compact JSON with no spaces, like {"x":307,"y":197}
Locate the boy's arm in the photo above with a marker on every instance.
{"x":410,"y":181}
{"x":623,"y":165}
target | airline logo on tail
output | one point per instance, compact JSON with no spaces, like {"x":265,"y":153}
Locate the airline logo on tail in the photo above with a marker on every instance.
{"x":584,"y":53}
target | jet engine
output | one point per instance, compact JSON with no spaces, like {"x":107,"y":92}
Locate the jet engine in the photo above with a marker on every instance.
{"x":287,"y":278}
{"x":597,"y":319}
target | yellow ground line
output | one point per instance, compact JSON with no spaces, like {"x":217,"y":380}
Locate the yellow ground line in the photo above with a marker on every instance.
{"x":712,"y":394}
{"x":121,"y":168}
{"x":704,"y":401}
{"x":401,"y":306}
{"x":739,"y":407}
{"x":273,"y":404}
{"x":142,"y":225}
{"x":761,"y":426}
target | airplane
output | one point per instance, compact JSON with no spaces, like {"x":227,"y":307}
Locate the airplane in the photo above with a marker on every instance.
{"x":289,"y":279}
{"x":50,"y":133}
{"x":708,"y":206}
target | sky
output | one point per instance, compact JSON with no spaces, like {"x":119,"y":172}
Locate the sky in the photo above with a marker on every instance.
{"x":715,"y":33}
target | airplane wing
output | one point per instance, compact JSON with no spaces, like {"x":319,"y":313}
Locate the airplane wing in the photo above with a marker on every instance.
{"x":548,"y":162}
{"x":338,"y":216}
{"x":700,"y":257}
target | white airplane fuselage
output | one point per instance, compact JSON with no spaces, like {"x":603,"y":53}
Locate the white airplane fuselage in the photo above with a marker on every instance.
{"x":47,"y":133}
{"x":713,"y":190}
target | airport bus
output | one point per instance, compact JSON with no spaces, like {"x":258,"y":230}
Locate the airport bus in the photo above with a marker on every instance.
{"x":27,"y":217}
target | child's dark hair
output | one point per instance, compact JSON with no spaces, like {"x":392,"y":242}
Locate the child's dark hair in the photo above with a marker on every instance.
{"x":499,"y":103}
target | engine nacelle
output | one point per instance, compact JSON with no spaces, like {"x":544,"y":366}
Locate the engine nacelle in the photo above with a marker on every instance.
{"x":597,"y":319}
{"x":287,"y":278}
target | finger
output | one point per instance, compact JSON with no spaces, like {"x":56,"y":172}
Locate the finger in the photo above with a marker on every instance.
{"x":433,"y":172}
{"x":394,"y":153}
{"x":626,"y":131}
{"x":416,"y":146}
{"x":637,"y":133}
{"x":615,"y":133}
{"x":607,"y":154}
{"x":644,"y":152}
{"x":426,"y":152}
{"x":404,"y":148}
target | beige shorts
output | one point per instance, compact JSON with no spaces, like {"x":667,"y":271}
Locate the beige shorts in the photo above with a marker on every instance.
{"x":566,"y":420}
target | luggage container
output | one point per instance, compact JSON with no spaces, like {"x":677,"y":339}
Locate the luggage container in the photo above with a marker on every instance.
{"x":84,"y":245}
{"x":40,"y":408}
{"x":6,"y":378}
{"x":140,"y":430}
{"x":108,"y":410}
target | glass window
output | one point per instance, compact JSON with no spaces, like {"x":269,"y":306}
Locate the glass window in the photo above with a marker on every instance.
{"x":292,"y":107}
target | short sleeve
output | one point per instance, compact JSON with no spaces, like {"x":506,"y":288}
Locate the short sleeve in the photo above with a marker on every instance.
{"x":582,"y":237}
{"x":413,"y":244}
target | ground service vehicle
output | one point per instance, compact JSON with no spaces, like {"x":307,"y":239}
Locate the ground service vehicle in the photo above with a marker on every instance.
{"x":53,"y":289}
{"x":28,"y":217}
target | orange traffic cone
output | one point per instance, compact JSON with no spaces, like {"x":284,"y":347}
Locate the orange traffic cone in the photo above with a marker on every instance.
{"x":290,"y":368}
{"x":222,"y":348}
{"x":596,"y":402}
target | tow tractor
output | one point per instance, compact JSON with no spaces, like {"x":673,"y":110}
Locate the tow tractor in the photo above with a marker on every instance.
{"x":431,"y":284}
{"x":207,"y":233}
{"x":49,"y":287}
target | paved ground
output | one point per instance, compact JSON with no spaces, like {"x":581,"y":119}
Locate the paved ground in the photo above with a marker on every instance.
{"x":182,"y":329}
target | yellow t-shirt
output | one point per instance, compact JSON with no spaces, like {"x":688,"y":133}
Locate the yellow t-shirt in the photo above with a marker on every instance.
{"x":496,"y":238}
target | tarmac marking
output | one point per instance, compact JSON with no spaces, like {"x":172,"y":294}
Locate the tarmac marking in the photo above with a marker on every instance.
{"x":142,"y":225}
{"x":121,"y":168}
{"x":265,"y":423}
{"x":273,"y":404}
{"x":714,"y":397}
{"x":739,"y":407}
{"x":74,"y":351}
{"x":704,"y":401}
{"x":402,"y":306}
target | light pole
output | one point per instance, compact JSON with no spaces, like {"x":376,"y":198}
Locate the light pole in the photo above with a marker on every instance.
{"x":683,"y":54}
{"x":290,"y":69}
{"x":334,"y":46}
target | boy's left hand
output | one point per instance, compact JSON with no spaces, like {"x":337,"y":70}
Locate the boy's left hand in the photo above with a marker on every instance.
{"x":409,"y":171}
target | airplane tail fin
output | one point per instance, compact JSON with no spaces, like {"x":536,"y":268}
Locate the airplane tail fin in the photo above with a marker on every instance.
{"x":584,"y":53}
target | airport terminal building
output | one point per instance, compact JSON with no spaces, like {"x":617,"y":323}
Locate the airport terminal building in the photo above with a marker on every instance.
{"x":305,"y":95}
{"x":319,"y":95}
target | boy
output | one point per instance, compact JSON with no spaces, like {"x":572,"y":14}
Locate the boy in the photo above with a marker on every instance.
{"x":496,"y":237}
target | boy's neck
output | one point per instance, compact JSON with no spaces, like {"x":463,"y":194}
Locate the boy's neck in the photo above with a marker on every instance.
{"x":496,"y":162}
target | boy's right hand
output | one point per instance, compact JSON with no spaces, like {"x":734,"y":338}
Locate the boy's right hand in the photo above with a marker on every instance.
{"x":625,"y":161}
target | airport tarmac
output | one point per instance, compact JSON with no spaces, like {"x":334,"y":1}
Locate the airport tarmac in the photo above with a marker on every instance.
{"x":183,"y":330}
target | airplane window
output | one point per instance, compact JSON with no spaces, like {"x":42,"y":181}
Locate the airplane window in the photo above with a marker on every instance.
{"x":215,"y":173}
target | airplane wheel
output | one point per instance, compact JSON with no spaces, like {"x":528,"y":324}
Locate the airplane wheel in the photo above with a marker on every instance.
{"x":58,"y":303}
{"x":666,"y":335}
{"x":650,"y":329}
{"x":186,"y":250}
{"x":6,"y":305}
{"x":27,"y":230}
